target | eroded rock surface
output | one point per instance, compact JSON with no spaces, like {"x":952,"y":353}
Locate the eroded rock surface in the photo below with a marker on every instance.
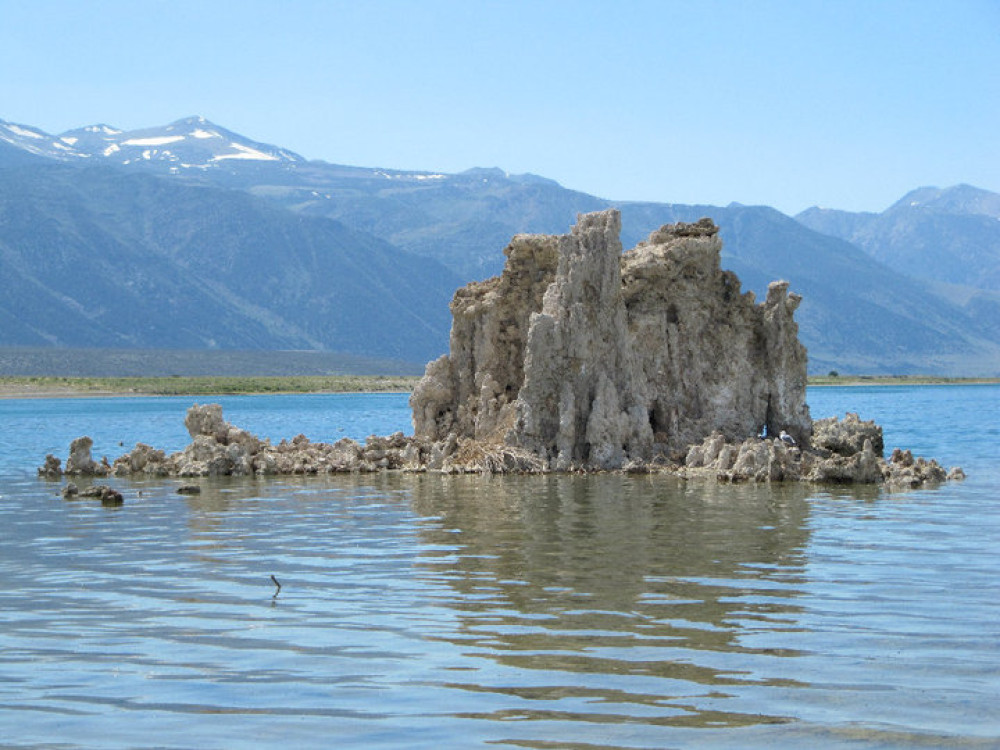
{"x":219,"y":449}
{"x":847,"y":437}
{"x":830,"y":459}
{"x":589,"y":358}
{"x":78,"y":463}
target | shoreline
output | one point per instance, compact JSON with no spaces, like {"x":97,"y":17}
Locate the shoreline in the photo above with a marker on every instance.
{"x":67,"y":394}
{"x":21,"y":387}
{"x":878,"y":380}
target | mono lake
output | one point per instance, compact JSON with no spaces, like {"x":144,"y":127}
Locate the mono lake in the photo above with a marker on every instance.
{"x":421,"y":611}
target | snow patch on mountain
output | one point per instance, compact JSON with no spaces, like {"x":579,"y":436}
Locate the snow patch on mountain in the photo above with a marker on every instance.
{"x":409,"y":175}
{"x":18,"y":130}
{"x":102,"y":129}
{"x":245,"y":152}
{"x":155,"y":141}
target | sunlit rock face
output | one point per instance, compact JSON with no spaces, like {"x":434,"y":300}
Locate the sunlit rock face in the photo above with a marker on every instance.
{"x":588,"y":358}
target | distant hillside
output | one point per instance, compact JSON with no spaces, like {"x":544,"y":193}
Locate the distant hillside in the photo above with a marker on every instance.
{"x":950,"y":235}
{"x":97,"y":257}
{"x":463,"y":220}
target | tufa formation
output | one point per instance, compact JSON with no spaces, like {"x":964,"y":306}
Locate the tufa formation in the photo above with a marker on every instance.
{"x":580,"y":357}
{"x":588,"y":358}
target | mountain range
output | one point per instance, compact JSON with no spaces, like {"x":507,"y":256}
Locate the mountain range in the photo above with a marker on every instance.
{"x":950,"y":236}
{"x":193,"y":236}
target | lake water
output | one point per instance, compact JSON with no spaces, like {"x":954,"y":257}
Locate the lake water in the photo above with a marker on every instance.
{"x":419,"y":611}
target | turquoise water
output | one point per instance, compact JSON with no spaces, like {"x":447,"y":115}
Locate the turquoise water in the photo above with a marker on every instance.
{"x":562,"y":611}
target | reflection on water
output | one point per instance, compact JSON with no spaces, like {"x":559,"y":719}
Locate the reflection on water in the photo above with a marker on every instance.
{"x":604,"y":592}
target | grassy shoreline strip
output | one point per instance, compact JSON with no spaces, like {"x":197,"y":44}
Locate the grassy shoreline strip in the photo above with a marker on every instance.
{"x":821,"y":380}
{"x":225,"y":385}
{"x":233,"y":385}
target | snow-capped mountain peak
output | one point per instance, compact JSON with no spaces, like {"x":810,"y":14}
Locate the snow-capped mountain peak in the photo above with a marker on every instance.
{"x":190,"y":143}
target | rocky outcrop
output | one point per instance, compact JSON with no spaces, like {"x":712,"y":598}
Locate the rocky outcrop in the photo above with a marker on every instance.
{"x":588,"y":358}
{"x":846,"y":437}
{"x":219,"y":449}
{"x":78,"y":463}
{"x":832,"y":458}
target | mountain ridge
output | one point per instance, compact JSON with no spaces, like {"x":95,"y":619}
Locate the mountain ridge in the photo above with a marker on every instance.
{"x":859,"y":314}
{"x":949,"y":235}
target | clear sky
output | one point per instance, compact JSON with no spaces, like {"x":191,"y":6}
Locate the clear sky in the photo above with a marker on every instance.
{"x":791,"y":103}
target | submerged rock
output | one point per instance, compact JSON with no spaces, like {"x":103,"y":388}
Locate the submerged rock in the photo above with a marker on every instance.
{"x":107,"y":495}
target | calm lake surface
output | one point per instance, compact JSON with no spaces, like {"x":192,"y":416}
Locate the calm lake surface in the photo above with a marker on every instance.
{"x":419,"y":611}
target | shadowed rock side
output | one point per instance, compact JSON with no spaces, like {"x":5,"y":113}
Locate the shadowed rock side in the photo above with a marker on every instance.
{"x":587,"y":358}
{"x":581,"y":358}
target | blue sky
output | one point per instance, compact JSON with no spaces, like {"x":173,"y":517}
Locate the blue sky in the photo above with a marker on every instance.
{"x":846,"y":104}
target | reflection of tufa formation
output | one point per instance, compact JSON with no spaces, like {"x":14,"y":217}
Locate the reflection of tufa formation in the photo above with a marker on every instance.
{"x":588,"y":358}
{"x":580,"y":358}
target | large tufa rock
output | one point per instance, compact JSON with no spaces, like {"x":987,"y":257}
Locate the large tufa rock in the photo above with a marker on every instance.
{"x":588,"y":358}
{"x":472,"y":392}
